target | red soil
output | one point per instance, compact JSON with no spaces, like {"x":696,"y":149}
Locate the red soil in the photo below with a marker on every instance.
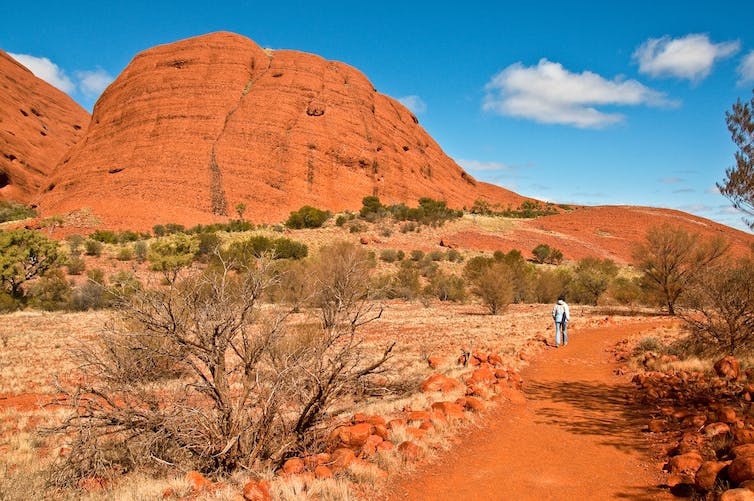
{"x":38,"y":124}
{"x":605,"y":232}
{"x":578,"y":436}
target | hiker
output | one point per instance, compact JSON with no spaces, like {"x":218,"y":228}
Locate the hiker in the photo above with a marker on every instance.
{"x":561,"y":315}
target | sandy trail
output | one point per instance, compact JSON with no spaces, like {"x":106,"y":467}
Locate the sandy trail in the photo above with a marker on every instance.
{"x":576,"y":438}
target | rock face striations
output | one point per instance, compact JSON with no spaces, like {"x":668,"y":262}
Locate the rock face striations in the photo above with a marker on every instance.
{"x":193,"y":128}
{"x":38,"y":124}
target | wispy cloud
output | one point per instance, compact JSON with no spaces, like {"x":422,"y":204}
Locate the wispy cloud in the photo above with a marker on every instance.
{"x":414,"y":103}
{"x":480,"y":166}
{"x":89,"y":83}
{"x":690,"y":57}
{"x":92,"y":83}
{"x":671,"y":180}
{"x":746,"y":69}
{"x":48,"y":71}
{"x":684,"y":190}
{"x":549,"y":93}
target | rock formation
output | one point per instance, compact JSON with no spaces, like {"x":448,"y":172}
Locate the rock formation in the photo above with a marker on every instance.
{"x":193,"y":128}
{"x":38,"y":124}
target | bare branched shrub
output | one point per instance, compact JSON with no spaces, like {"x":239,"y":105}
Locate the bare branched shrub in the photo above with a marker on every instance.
{"x":719,"y":307}
{"x":201,"y":375}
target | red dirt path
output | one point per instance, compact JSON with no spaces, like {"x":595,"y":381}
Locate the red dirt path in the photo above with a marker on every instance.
{"x":577,"y":437}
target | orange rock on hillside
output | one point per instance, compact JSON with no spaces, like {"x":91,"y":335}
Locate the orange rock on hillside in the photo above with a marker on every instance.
{"x":193,"y":128}
{"x":39,"y":125}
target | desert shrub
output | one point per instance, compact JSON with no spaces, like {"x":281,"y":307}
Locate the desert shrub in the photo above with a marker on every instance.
{"x":340,"y":276}
{"x":342,"y":219}
{"x":121,"y":288}
{"x":389,"y":255}
{"x":356,"y":227}
{"x":50,"y":292}
{"x":446,"y":287}
{"x":494,"y":286}
{"x":405,"y":283}
{"x":89,"y":295}
{"x":543,"y":253}
{"x":125,"y":253}
{"x":385,"y":232}
{"x":12,"y":211}
{"x":454,"y":256}
{"x":285,"y":248}
{"x":104,"y":236}
{"x":626,"y":291}
{"x":24,"y":255}
{"x":141,"y":251}
{"x":475,"y":266}
{"x":307,"y":217}
{"x":8,"y":303}
{"x":591,"y":279}
{"x":400,"y":255}
{"x":416,"y":255}
{"x":427,"y":268}
{"x":436,"y":255}
{"x":75,"y":242}
{"x":549,"y":285}
{"x":429,"y":212}
{"x":75,"y":265}
{"x":720,"y":306}
{"x":371,"y":205}
{"x":170,"y":254}
{"x":92,"y":247}
{"x":244,"y":251}
{"x":254,"y":388}
{"x":409,"y":227}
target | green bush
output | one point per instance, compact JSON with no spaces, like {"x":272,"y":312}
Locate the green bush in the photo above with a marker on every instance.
{"x":436,"y":255}
{"x":51,"y":292}
{"x":255,"y":246}
{"x":342,"y":219}
{"x":141,"y":251}
{"x":454,"y":256}
{"x":389,"y":255}
{"x":24,"y":255}
{"x":12,"y":211}
{"x":356,"y":227}
{"x":494,"y":286}
{"x":125,"y":253}
{"x":105,"y":236}
{"x":447,"y":287}
{"x":76,"y":265}
{"x":307,"y":217}
{"x":417,"y":255}
{"x":370,"y":205}
{"x":409,"y":227}
{"x":88,"y":296}
{"x":92,"y":247}
{"x":592,"y":278}
{"x":171,"y":253}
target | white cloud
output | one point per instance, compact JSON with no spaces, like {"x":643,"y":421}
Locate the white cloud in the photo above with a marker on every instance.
{"x":413,"y":103}
{"x":92,"y":83}
{"x":690,"y":57}
{"x":46,"y":70}
{"x":746,"y":69}
{"x":479,"y":166}
{"x":549,"y":93}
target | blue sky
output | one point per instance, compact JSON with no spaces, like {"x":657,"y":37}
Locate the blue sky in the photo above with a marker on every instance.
{"x":574,"y":102}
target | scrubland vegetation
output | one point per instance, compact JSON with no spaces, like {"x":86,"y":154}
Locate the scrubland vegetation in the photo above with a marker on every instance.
{"x":231,"y":349}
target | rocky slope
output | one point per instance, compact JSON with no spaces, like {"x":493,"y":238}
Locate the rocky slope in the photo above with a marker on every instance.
{"x":193,"y":128}
{"x":38,"y":124}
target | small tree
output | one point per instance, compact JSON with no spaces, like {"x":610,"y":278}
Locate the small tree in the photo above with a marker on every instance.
{"x":240,"y":209}
{"x":720,"y":305}
{"x":670,"y":258}
{"x":739,"y":181}
{"x":494,"y":286}
{"x":541,"y":253}
{"x":24,"y":254}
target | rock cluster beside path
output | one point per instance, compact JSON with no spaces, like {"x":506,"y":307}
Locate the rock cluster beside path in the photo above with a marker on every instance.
{"x":709,"y":419}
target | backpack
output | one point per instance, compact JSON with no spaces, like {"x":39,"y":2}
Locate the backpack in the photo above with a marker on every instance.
{"x":559,"y":313}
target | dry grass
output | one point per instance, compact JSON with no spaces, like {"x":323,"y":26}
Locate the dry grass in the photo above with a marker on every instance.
{"x":37,"y":345}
